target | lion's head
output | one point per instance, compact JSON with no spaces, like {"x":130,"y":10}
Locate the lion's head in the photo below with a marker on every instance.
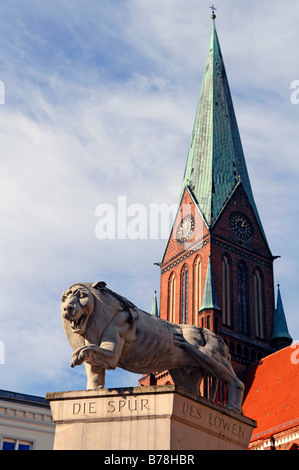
{"x":87,"y":309}
{"x":78,"y":303}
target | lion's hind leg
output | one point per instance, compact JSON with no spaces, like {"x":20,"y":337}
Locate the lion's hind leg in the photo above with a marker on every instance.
{"x":235,"y":387}
{"x":215,"y":365}
{"x":189,"y":378}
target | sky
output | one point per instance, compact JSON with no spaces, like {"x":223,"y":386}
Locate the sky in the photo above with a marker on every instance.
{"x":98,"y":103}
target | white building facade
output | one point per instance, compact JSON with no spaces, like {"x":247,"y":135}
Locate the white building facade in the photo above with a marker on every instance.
{"x":25,"y":422}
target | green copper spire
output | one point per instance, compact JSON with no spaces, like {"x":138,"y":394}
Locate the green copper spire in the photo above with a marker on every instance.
{"x":216,"y":163}
{"x":209,"y":300}
{"x":155,"y":310}
{"x":280,"y":327}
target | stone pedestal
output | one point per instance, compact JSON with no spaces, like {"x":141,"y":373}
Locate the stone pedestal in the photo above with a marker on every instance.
{"x":145,"y":418}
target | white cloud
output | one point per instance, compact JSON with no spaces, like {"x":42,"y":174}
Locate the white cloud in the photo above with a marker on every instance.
{"x":100,"y":102}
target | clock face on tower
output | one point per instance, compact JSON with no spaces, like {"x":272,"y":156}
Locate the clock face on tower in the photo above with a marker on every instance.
{"x":241,"y":225}
{"x":185,"y":229}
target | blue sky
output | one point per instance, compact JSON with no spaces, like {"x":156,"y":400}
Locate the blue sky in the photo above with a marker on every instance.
{"x":100,"y":100}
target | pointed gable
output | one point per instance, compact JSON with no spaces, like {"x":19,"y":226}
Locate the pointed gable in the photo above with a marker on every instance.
{"x":174,"y":247}
{"x":238,"y":202}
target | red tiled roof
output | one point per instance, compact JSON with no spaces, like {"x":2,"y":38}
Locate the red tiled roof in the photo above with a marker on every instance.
{"x":272,"y":392}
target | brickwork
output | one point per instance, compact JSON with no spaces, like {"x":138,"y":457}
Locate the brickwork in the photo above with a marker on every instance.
{"x":177,"y":255}
{"x":222,"y":241}
{"x":255,"y":255}
{"x":256,"y":244}
{"x":174,"y":248}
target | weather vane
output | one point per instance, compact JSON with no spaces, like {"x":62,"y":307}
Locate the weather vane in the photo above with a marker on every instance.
{"x":213,"y":8}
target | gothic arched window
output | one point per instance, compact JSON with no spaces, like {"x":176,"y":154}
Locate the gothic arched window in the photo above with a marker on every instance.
{"x":171,"y":298}
{"x":242,"y":299}
{"x":184,"y":297}
{"x":259,"y":304}
{"x":226,"y":292}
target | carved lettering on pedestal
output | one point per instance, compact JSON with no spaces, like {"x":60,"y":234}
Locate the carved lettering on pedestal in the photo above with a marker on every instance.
{"x":191,"y":410}
{"x":131,"y":404}
{"x":113,"y":406}
{"x":84,"y":408}
{"x":219,"y":422}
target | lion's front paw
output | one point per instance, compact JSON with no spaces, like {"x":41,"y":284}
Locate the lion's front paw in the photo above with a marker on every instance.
{"x":80,"y":356}
{"x":75,"y":360}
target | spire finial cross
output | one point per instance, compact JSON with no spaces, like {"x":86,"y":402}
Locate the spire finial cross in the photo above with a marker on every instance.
{"x":213,"y":8}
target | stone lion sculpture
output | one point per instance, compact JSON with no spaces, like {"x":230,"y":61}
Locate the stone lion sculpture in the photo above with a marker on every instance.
{"x":106,"y":331}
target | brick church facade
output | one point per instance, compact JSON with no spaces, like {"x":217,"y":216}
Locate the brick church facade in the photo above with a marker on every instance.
{"x":217,"y":268}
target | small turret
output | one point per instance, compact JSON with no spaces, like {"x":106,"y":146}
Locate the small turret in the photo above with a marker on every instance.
{"x":155,"y":310}
{"x":281,"y":337}
{"x":210,"y":312}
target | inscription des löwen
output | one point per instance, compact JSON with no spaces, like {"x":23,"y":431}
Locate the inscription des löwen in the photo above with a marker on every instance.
{"x":216,"y":421}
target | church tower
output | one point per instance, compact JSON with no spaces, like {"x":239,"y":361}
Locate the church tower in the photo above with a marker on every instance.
{"x":217,"y":268}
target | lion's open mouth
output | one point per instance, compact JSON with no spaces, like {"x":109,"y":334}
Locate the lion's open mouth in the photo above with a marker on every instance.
{"x":77,"y":324}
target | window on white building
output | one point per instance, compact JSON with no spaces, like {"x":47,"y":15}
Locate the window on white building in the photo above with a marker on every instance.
{"x":15,"y":444}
